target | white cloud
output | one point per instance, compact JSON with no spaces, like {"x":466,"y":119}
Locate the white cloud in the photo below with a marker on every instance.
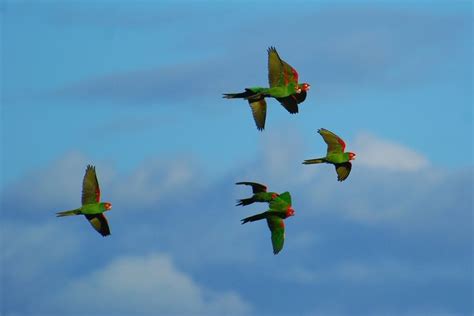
{"x":375,"y":152}
{"x":54,"y":185}
{"x":145,"y":285}
{"x":154,"y":181}
{"x":33,"y":249}
{"x":59,"y":185}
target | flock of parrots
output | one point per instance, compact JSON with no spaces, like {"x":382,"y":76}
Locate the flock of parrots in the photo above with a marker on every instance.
{"x":284,"y":86}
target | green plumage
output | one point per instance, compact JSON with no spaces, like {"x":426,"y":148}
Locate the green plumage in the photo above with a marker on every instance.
{"x":335,"y":154}
{"x":284,"y":86}
{"x":260,"y":194}
{"x":279,"y":209}
{"x":277,"y":227}
{"x":91,"y":207}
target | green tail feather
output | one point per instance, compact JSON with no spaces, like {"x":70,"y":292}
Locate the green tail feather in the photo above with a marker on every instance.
{"x":69,"y":213}
{"x":312,"y":161}
{"x":244,"y":202}
{"x":254,"y":94}
{"x":254,"y":218}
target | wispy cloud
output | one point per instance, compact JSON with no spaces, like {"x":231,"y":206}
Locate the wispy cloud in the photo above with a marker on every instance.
{"x":374,"y":152}
{"x":163,"y":86}
{"x":356,"y":48}
{"x":146,"y":284}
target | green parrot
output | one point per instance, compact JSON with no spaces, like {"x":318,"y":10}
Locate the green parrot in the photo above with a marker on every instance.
{"x":284,"y":86}
{"x":280,"y":209}
{"x":335,"y":155}
{"x":92,"y":208}
{"x":260,"y":194}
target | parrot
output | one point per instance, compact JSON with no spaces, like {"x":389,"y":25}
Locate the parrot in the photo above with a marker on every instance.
{"x":280,"y":209}
{"x":260,"y":194}
{"x":284,"y":86}
{"x":91,"y":207}
{"x":335,"y":154}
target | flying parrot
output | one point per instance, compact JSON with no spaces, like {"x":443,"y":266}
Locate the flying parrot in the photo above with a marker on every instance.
{"x":335,"y":155}
{"x":260,"y":194}
{"x":280,"y":209}
{"x":91,"y":207}
{"x":284,"y":86}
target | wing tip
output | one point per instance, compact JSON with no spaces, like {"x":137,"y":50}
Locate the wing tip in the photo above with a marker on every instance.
{"x":90,"y":167}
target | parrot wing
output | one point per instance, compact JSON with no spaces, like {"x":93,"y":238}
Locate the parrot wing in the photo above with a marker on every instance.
{"x":286,"y":196}
{"x":99,"y":222}
{"x":281,"y":202}
{"x":343,"y":170}
{"x":279,"y":72}
{"x":290,"y":103}
{"x":335,"y":144}
{"x":277,"y":227}
{"x":259,"y":112}
{"x":256,"y":187}
{"x":90,"y":187}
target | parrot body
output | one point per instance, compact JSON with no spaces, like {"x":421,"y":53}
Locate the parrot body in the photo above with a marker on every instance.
{"x":260,"y":194}
{"x":280,"y":209}
{"x":274,"y":92}
{"x":91,"y":207}
{"x":335,"y":155}
{"x":96,"y":208}
{"x":284,"y":87}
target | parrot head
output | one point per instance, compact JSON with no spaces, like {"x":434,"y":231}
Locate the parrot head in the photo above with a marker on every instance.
{"x":274,"y":195}
{"x":290,"y":211}
{"x":352,"y":156}
{"x":108,"y":206}
{"x":305,"y":86}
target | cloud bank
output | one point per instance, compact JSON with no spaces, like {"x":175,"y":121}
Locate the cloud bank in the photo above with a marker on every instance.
{"x":385,"y":235}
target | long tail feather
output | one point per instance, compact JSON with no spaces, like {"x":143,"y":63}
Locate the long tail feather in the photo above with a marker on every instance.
{"x":245,"y":202}
{"x":244,"y":95}
{"x":68,"y":213}
{"x":254,"y":218}
{"x":312,"y":161}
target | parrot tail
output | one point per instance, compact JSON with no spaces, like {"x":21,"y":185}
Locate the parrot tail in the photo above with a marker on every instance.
{"x":244,"y":95}
{"x":244,"y":202}
{"x":69,"y":213}
{"x":254,"y":218}
{"x":311,"y":161}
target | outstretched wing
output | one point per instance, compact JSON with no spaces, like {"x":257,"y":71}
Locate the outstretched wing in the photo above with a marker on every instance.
{"x":259,"y":112}
{"x":99,"y":222}
{"x":281,"y":202}
{"x":277,"y":227}
{"x":343,"y":170}
{"x":290,"y":103}
{"x":286,"y":196}
{"x":335,"y":144}
{"x":256,"y":187}
{"x":279,"y":72}
{"x":90,"y":187}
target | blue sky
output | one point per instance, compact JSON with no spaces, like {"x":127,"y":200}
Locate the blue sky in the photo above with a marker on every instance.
{"x":135,"y":89}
